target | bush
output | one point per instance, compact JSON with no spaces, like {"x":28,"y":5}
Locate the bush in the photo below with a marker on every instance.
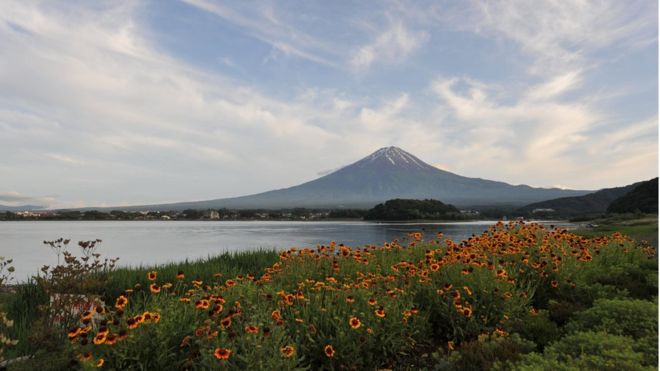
{"x":481,"y":354}
{"x":583,"y":351}
{"x":634,"y":318}
{"x":536,"y":328}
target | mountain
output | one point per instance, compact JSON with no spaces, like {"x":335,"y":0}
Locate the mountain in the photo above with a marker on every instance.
{"x":20,"y":208}
{"x":643,"y":197}
{"x":385,"y":174}
{"x":592,"y":203}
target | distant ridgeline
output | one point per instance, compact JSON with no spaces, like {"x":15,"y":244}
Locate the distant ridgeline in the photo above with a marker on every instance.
{"x":637,"y":197}
{"x":643,"y":198}
{"x":406,"y":209}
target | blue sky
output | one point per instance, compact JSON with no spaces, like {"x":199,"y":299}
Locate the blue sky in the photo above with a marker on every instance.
{"x":132,"y":102}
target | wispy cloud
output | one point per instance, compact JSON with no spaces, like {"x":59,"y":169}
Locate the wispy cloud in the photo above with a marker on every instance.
{"x":539,"y":133}
{"x":95,"y":107}
{"x":562,"y":35}
{"x":260,"y":21}
{"x":391,"y":45}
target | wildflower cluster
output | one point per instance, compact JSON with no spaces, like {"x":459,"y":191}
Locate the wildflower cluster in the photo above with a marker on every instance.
{"x":343,"y":307}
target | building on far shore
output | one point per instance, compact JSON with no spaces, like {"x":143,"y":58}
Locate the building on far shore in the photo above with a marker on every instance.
{"x":212,"y":214}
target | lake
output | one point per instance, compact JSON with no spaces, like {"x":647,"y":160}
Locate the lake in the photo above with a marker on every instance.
{"x":154,"y":242}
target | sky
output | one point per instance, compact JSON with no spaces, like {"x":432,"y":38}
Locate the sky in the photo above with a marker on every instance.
{"x":111,"y":103}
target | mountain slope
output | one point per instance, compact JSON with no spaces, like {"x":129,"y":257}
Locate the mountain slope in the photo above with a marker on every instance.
{"x":592,"y":203}
{"x":21,"y":208}
{"x":644,"y":198}
{"x":385,"y":174}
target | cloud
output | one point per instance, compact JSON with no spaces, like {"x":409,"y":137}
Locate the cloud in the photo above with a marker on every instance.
{"x":262,"y":23}
{"x":392,"y":45}
{"x":562,"y":35}
{"x":541,"y":134}
{"x":111,"y":101}
{"x":95,"y":109}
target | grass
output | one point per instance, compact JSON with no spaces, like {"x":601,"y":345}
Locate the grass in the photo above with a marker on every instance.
{"x":228,"y":264}
{"x":640,"y":228}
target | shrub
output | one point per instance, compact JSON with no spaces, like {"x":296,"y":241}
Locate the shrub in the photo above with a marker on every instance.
{"x":583,"y":351}
{"x":481,"y":354}
{"x":536,"y":327}
{"x":634,"y":318}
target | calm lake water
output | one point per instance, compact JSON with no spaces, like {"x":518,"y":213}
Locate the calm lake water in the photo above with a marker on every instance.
{"x":153,"y":242}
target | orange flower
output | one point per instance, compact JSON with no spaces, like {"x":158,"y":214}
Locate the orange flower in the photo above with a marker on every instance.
{"x":380,"y":312}
{"x":226,"y":322}
{"x":435,"y":267}
{"x":155,"y":289}
{"x":288,"y":351}
{"x":152,"y":275}
{"x":329,"y":351}
{"x":85,"y":357}
{"x":355,"y":323}
{"x":132,"y":323}
{"x":450,"y":345}
{"x":121,"y":302}
{"x":111,"y":339}
{"x":222,"y":353}
{"x":100,"y":338}
{"x":73,"y":333}
{"x":180,"y":275}
{"x":349,"y":299}
{"x":467,"y":290}
{"x":467,"y":312}
{"x":230,"y":283}
{"x":372,"y":301}
{"x":554,"y":284}
{"x":276,"y":315}
{"x":99,"y":363}
{"x":87,"y":315}
{"x":251,"y":329}
{"x":202,"y":304}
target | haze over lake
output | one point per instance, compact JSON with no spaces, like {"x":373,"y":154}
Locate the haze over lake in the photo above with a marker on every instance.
{"x":154,"y":242}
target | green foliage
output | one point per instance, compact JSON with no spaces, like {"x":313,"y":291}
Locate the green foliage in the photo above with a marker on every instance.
{"x":537,"y":328}
{"x":6,"y":269}
{"x":483,"y":303}
{"x":405,"y":209}
{"x":481,"y":354}
{"x":226,"y":264}
{"x":637,"y":319}
{"x":583,"y":351}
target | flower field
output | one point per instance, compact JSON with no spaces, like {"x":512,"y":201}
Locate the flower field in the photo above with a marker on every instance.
{"x":519,"y":296}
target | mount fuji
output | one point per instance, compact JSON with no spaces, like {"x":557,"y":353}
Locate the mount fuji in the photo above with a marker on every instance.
{"x":388,"y":173}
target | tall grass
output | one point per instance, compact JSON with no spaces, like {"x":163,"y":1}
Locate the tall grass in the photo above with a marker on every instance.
{"x":228,"y":264}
